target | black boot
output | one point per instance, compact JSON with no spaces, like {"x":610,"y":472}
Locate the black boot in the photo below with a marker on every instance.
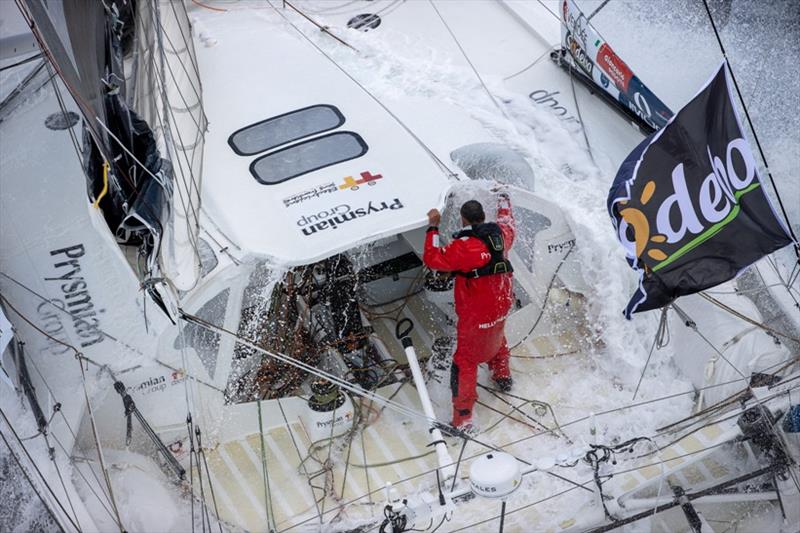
{"x":504,"y":384}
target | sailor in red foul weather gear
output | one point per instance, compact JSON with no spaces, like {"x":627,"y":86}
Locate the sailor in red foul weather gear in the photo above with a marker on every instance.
{"x":478,"y":256}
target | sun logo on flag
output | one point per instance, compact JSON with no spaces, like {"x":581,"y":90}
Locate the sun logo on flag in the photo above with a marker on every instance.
{"x":641,"y":227}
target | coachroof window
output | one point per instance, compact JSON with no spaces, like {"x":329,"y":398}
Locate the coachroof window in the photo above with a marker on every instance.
{"x":285,"y":128}
{"x":308,"y":156}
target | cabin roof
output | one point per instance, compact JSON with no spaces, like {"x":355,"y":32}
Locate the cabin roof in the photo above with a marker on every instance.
{"x":300,"y":163}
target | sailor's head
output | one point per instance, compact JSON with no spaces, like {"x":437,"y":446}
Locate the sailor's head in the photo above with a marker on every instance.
{"x":472,"y":213}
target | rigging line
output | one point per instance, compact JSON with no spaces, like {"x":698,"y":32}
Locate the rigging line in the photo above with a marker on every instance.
{"x":396,"y":406}
{"x":81,"y":103}
{"x":691,"y":324}
{"x":466,"y":57}
{"x":512,"y":443}
{"x":86,"y":481}
{"x":615,"y":473}
{"x":63,"y":107}
{"x":551,"y":12}
{"x":22,"y":62}
{"x":745,"y":318}
{"x":188,"y":43}
{"x":182,"y":64}
{"x":100,"y":449}
{"x":544,"y":54}
{"x":578,"y":109}
{"x":442,"y":166}
{"x":662,"y":324}
{"x":597,"y":10}
{"x":52,"y":453}
{"x":50,"y":511}
{"x":85,"y":108}
{"x":324,"y":29}
{"x":300,"y":457}
{"x":190,"y":210}
{"x":753,"y":129}
{"x":525,"y":401}
{"x":308,"y":368}
{"x":789,"y":286}
{"x":69,"y":427}
{"x":160,"y":76}
{"x":470,"y":527}
{"x":107,"y":335}
{"x":546,"y":298}
{"x":265,"y":474}
{"x":36,"y":468}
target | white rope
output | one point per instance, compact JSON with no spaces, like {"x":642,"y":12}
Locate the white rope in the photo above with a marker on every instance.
{"x":442,"y":166}
{"x":100,"y":454}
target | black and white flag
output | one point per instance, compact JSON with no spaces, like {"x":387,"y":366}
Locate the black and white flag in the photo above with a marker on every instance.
{"x":687,"y":204}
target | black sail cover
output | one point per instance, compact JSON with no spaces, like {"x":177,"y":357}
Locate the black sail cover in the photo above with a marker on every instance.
{"x":88,"y":43}
{"x":688,"y":205}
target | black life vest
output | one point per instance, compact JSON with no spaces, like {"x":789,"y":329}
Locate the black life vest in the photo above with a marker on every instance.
{"x":492,"y":236}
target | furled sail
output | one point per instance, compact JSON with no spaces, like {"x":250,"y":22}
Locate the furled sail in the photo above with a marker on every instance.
{"x":111,"y":58}
{"x":595,"y":62}
{"x":688,"y":205}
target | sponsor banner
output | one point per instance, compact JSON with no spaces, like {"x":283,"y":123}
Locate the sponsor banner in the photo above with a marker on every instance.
{"x":599,"y":62}
{"x":333,"y":217}
{"x":578,"y":54}
{"x":688,"y":206}
{"x":349,"y":183}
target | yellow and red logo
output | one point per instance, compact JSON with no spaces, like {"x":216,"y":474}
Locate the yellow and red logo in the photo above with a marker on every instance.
{"x":366,"y":178}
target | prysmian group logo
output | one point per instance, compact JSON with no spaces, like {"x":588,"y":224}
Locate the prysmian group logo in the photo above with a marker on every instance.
{"x":348,"y":183}
{"x":690,"y":212}
{"x":341,"y":214}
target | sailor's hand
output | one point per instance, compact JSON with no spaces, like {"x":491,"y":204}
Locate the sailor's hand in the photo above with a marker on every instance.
{"x":500,"y":190}
{"x":434,"y":217}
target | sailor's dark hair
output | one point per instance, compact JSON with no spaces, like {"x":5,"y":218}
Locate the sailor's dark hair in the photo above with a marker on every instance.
{"x":472,"y":211}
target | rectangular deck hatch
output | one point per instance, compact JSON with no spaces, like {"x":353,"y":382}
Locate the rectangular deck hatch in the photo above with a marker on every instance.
{"x":308,"y":156}
{"x":282,"y":129}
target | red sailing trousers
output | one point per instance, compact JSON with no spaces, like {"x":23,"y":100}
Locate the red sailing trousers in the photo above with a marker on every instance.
{"x":476,"y":344}
{"x":482,"y":305}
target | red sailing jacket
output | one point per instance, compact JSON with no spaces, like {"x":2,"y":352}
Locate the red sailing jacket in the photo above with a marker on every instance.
{"x":483,"y":300}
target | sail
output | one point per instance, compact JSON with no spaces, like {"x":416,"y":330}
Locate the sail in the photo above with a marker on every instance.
{"x":688,"y":205}
{"x":124,"y":65}
{"x":595,"y":60}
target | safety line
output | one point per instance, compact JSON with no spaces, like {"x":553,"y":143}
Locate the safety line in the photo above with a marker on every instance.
{"x":753,"y":129}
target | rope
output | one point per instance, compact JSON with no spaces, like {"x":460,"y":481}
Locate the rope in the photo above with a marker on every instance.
{"x":324,"y":29}
{"x":299,"y":456}
{"x":100,"y":449}
{"x":466,"y":57}
{"x":753,"y":129}
{"x":597,"y":10}
{"x":36,"y":468}
{"x":107,"y":335}
{"x":567,"y":424}
{"x":442,"y":166}
{"x":658,"y":340}
{"x":546,"y":298}
{"x":692,"y":325}
{"x":202,"y":454}
{"x":61,"y":412}
{"x":747,"y":319}
{"x":578,"y":109}
{"x":21,"y":62}
{"x":52,"y":453}
{"x":265,"y":475}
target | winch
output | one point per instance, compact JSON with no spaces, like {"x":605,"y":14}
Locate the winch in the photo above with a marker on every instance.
{"x":329,"y":413}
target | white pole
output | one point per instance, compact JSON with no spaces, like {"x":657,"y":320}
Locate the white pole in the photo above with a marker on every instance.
{"x":445,"y":461}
